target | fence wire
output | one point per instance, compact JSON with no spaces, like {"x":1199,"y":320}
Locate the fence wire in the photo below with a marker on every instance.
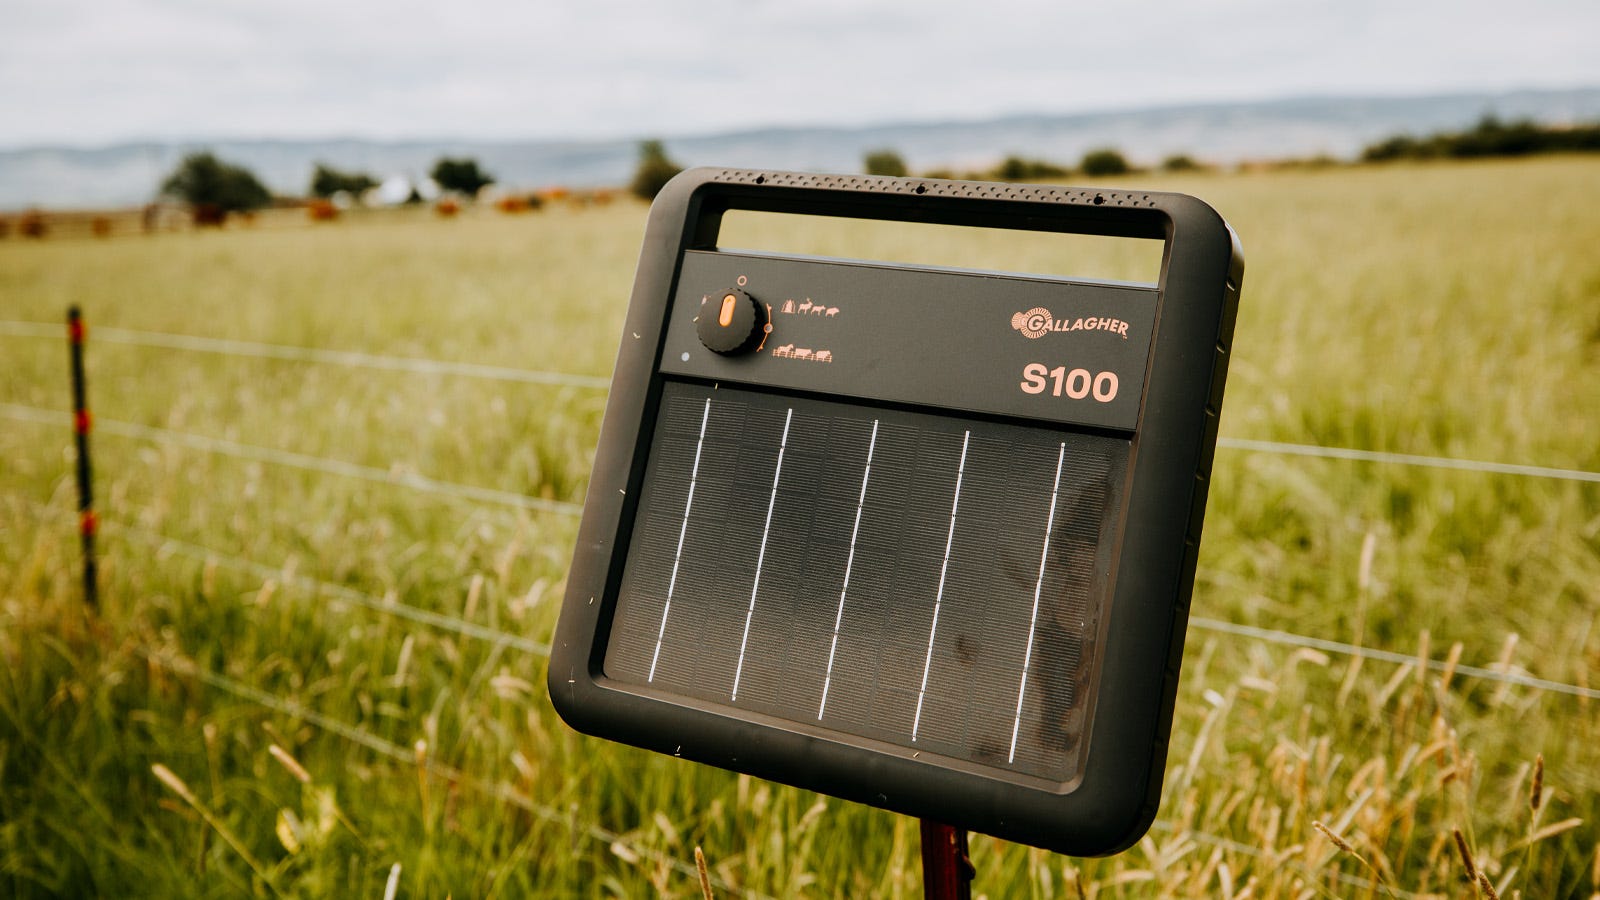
{"x":1232,"y":846}
{"x":1290,"y":639}
{"x":497,"y":790}
{"x":385,"y":605}
{"x":1408,"y":459}
{"x":356,"y":359}
{"x":520,"y":642}
{"x":303,"y":461}
{"x":501,"y":791}
{"x":347,"y":358}
{"x":504,"y":792}
{"x":419,"y":365}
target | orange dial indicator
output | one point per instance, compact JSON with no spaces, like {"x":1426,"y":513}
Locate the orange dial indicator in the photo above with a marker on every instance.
{"x":725,"y":317}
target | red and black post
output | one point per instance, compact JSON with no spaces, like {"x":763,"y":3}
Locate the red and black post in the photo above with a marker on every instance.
{"x":947,"y":868}
{"x":87,"y":525}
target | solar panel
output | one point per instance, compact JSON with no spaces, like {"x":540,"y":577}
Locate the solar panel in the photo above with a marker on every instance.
{"x":918,"y":537}
{"x":906,"y":578}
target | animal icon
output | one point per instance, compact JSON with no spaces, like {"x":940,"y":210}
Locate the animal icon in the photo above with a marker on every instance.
{"x":818,"y":310}
{"x":785,"y":350}
{"x":803,"y":353}
{"x":824,"y":356}
{"x":806,"y":306}
{"x":833,"y":311}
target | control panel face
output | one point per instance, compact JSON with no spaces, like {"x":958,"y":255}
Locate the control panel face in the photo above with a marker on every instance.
{"x":1054,"y":350}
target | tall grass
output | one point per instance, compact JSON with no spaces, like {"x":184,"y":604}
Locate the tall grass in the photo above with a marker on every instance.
{"x":1442,"y":310}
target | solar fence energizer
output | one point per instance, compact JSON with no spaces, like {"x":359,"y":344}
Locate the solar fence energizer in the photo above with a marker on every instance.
{"x":914,"y":536}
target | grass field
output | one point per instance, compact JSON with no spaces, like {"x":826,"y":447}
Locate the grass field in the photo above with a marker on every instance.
{"x":263,"y":704}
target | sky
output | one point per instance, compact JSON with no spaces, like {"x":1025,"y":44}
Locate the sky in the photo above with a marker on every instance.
{"x":92,"y":72}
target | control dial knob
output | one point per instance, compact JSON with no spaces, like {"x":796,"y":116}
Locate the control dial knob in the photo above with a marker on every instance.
{"x":732,"y":322}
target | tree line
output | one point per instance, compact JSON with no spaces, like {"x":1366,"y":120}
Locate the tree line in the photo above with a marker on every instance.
{"x":1490,"y":137}
{"x":214,"y":188}
{"x":217,"y":187}
{"x":203,"y":181}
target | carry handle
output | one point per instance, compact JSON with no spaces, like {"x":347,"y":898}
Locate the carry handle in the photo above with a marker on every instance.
{"x":1042,"y":208}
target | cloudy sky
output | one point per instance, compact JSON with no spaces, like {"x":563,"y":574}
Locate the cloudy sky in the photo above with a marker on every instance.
{"x":87,"y":72}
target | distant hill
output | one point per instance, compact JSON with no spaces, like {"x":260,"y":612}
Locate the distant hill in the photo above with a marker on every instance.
{"x":125,"y":174}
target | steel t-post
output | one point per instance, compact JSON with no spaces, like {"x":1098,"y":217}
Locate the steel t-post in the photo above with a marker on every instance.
{"x":947,"y":870}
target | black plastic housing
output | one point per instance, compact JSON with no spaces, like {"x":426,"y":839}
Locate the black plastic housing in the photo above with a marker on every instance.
{"x":1152,"y":533}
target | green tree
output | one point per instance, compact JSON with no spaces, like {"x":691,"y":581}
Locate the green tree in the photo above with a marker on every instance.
{"x":654,"y":171}
{"x":205,"y":182}
{"x":886,"y":162}
{"x":327,"y":181}
{"x":1105,"y":161}
{"x":461,"y":175}
{"x":1016,"y":168}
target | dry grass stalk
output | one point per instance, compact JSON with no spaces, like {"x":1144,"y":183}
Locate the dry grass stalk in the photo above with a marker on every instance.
{"x":705,"y":876}
{"x":421,"y":750}
{"x":1338,"y":841}
{"x":1451,"y":660}
{"x":1466,"y":855}
{"x":1488,"y":887}
{"x":1536,"y":793}
{"x":1369,"y":546}
{"x":169,"y":778}
{"x":1550,"y":831}
{"x":474,"y":592}
{"x":1351,"y":674}
{"x":1503,"y":666}
{"x":290,"y":763}
{"x":1378,"y":879}
{"x":1401,"y":673}
{"x":1424,"y":642}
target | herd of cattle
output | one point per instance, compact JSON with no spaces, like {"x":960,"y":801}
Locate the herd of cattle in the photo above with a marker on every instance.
{"x":35,"y":224}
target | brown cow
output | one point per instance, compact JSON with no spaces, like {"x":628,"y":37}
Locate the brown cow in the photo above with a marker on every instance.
{"x":208,"y":215}
{"x":32,"y":225}
{"x":320,"y":210}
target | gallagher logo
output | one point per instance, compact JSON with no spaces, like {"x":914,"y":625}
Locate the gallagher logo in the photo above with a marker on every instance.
{"x":1037,"y":322}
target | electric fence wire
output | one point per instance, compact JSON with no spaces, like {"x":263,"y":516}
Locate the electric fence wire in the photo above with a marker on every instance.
{"x":519,"y":642}
{"x":1271,"y":859}
{"x":385,"y":605}
{"x":497,"y":790}
{"x":501,"y":791}
{"x":419,"y":365}
{"x":303,"y":461}
{"x":468,"y":629}
{"x":252,"y":349}
{"x":347,"y":358}
{"x":1290,"y":639}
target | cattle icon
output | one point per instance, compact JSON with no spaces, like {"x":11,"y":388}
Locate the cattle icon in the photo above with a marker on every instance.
{"x":823,"y":356}
{"x":803,"y":353}
{"x":833,"y":311}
